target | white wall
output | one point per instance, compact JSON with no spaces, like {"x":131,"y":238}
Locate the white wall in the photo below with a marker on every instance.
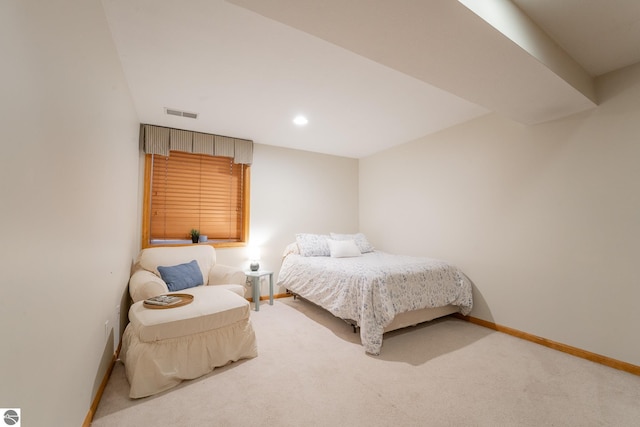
{"x":68,"y":194}
{"x":293,"y":192}
{"x":545,"y":220}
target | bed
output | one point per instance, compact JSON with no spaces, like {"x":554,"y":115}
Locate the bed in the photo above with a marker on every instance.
{"x":375,"y":291}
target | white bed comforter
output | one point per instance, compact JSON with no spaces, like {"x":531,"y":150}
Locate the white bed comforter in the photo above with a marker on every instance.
{"x":373,"y":288}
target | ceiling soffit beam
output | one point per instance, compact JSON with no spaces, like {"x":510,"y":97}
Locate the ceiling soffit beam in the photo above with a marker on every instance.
{"x":507,"y":18}
{"x":444,"y":44}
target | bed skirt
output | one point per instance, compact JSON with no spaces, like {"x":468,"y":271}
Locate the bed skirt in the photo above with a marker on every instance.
{"x":412,"y":318}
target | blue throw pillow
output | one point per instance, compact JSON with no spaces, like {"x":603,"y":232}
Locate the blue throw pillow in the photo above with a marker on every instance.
{"x":181,"y":276}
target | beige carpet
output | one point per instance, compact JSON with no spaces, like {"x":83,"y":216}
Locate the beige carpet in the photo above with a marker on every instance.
{"x":312,"y":371}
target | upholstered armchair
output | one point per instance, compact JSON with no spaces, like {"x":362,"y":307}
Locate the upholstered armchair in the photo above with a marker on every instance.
{"x":160,"y":348}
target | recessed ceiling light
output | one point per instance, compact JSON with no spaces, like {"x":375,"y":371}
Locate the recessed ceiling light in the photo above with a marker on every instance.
{"x":300,"y":120}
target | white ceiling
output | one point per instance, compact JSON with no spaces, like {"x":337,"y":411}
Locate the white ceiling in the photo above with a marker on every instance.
{"x":368,"y":74}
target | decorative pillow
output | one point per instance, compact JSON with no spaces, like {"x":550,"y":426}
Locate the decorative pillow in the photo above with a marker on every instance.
{"x":343,"y":248}
{"x":181,"y":276}
{"x":313,"y":244}
{"x":360,"y":239}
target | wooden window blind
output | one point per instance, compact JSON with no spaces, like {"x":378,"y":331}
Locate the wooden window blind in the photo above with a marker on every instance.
{"x":196,"y":191}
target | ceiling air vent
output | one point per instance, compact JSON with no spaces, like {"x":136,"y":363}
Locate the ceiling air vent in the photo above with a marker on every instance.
{"x":179,"y":113}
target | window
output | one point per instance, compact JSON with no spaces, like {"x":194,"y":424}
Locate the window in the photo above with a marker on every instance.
{"x":186,"y":190}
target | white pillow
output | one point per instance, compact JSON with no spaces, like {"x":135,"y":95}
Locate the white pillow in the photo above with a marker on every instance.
{"x":343,"y":248}
{"x":359,"y":238}
{"x":312,"y":244}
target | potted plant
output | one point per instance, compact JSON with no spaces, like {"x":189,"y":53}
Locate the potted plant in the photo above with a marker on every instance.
{"x":195,"y":235}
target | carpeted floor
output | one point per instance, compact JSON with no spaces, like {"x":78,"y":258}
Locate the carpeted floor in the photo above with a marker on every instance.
{"x":312,"y":371}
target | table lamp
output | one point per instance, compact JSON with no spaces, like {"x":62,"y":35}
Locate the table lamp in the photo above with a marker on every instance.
{"x":254,"y":258}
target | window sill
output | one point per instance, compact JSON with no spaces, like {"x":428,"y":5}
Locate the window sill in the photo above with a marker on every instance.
{"x":175,"y":242}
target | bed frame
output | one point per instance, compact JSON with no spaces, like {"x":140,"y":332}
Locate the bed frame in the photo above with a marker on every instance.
{"x":402,"y":320}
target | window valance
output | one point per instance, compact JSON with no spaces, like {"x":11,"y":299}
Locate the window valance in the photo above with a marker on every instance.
{"x":161,"y":140}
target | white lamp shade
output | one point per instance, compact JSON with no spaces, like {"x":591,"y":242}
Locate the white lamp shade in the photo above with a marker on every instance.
{"x":254,"y":253}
